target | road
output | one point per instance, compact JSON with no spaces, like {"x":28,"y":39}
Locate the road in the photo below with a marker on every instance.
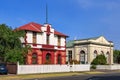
{"x":107,"y":76}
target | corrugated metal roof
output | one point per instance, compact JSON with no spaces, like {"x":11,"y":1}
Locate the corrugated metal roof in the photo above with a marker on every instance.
{"x":70,"y":43}
{"x":31,"y":27}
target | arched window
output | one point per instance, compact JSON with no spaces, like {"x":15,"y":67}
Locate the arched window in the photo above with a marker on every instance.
{"x":107,"y":57}
{"x":102,"y":52}
{"x":48,"y":58}
{"x":95,"y":54}
{"x":82,"y":57}
{"x":59,"y":59}
{"x":34,"y":58}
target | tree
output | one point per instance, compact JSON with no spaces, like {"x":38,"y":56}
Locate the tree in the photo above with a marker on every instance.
{"x":99,"y":60}
{"x":11,"y":49}
{"x":116,"y":56}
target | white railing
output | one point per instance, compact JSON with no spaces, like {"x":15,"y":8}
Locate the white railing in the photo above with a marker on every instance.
{"x":30,"y":69}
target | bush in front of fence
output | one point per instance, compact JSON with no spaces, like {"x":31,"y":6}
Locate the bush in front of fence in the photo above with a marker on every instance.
{"x":73,"y":62}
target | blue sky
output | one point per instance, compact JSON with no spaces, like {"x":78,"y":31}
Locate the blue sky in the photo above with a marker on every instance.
{"x":76,"y":18}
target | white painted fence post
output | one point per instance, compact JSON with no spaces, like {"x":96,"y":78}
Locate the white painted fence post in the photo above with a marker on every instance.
{"x":17,"y":67}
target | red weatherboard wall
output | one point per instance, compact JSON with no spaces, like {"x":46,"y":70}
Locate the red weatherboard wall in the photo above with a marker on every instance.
{"x":41,"y":56}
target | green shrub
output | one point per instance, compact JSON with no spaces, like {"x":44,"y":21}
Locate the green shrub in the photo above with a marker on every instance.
{"x":99,"y":60}
{"x":93,"y":67}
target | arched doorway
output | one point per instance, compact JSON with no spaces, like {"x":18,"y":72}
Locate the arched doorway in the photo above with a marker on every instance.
{"x":34,"y":58}
{"x":48,"y":58}
{"x":59,"y":59}
{"x":82,"y":57}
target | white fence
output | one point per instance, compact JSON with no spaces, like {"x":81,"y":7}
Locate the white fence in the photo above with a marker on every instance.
{"x":30,"y":69}
{"x":108,"y":67}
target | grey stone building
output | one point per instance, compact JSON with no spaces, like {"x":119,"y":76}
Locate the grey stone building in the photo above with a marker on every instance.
{"x":85,"y":50}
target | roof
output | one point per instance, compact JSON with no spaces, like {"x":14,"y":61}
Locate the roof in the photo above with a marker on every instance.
{"x":82,"y":42}
{"x":60,"y":34}
{"x":70,"y":43}
{"x":31,"y":27}
{"x":93,"y":38}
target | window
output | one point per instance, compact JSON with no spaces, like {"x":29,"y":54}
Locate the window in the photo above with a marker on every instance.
{"x":47,"y":39}
{"x":95,"y":54}
{"x":82,"y":57}
{"x":34,"y":58}
{"x":69,"y":55}
{"x":34,"y":37}
{"x":59,"y":41}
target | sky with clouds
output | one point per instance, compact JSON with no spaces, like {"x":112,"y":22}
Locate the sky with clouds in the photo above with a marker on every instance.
{"x":77,"y":18}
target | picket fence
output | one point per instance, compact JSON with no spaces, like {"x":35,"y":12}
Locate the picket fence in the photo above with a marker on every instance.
{"x":31,"y":69}
{"x":108,"y":67}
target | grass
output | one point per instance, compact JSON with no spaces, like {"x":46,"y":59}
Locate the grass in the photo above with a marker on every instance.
{"x":31,"y":76}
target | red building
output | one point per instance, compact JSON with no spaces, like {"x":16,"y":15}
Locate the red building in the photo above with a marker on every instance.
{"x":48,"y":45}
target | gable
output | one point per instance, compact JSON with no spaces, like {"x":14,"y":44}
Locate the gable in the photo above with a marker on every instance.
{"x":101,"y":39}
